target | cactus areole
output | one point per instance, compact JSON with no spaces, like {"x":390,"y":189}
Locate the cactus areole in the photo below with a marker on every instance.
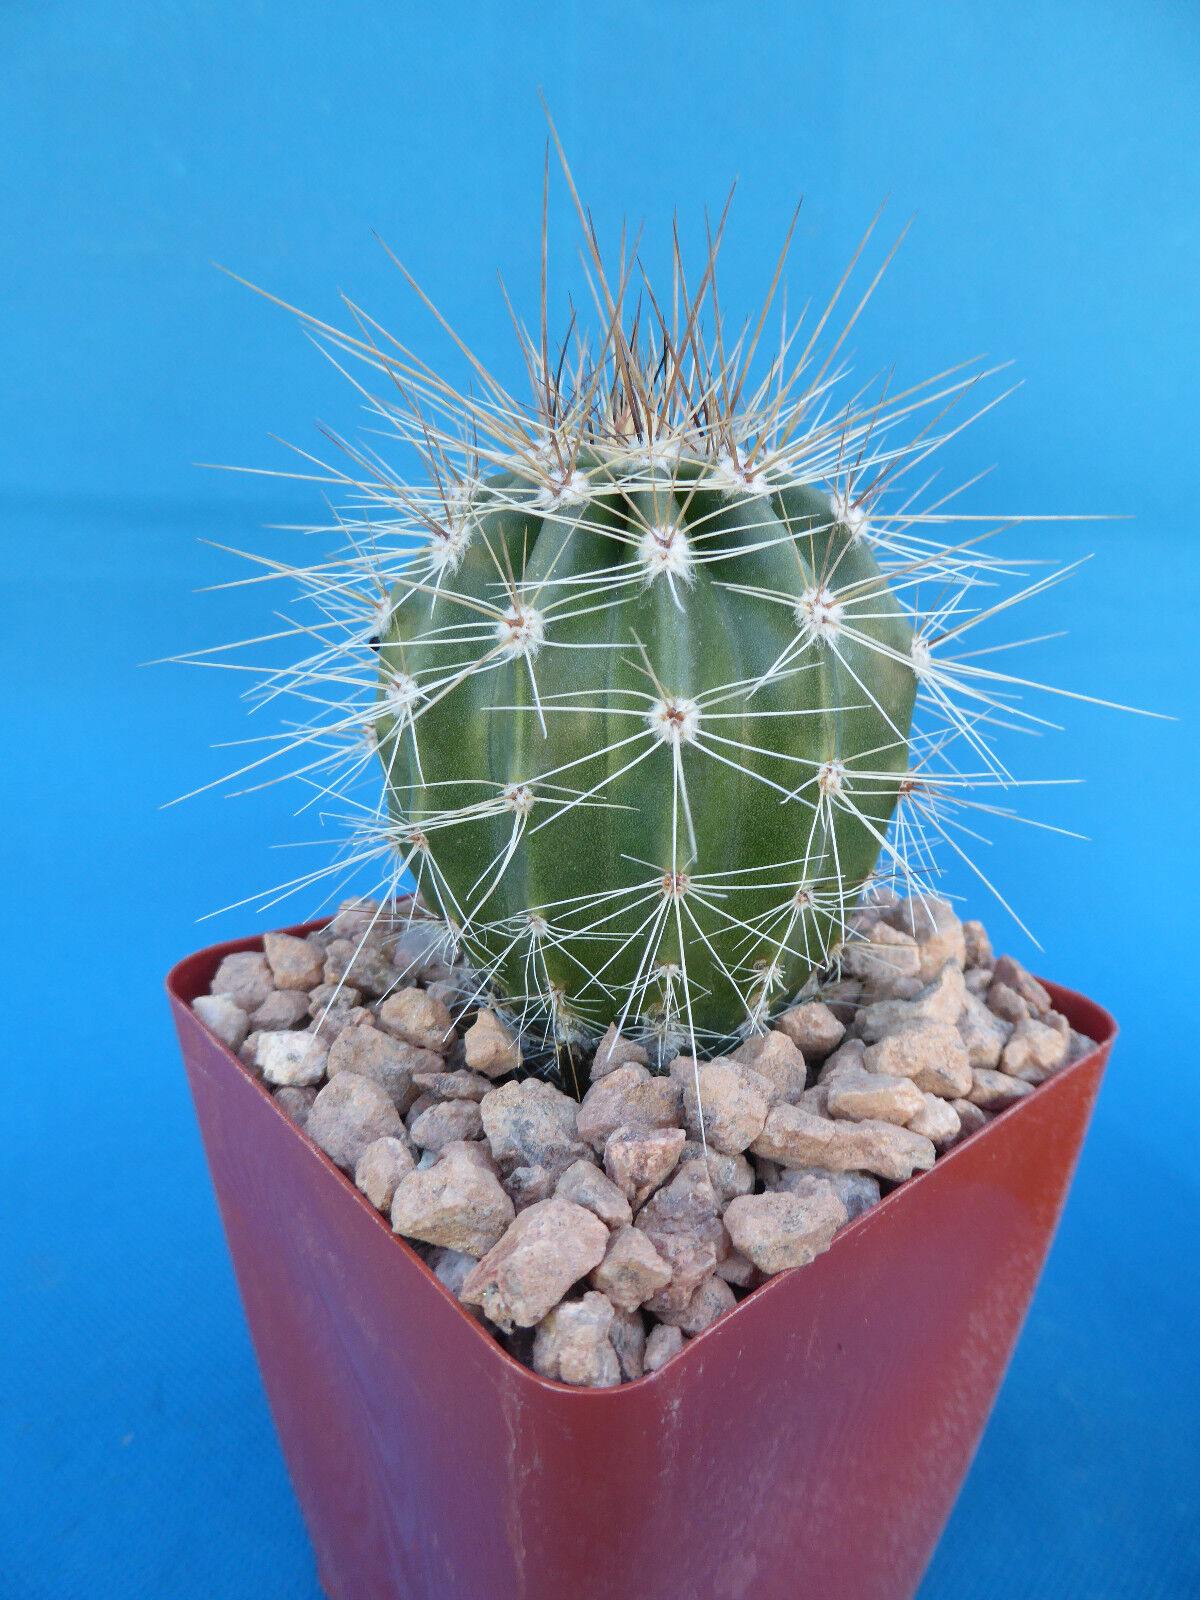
{"x":648,"y":724}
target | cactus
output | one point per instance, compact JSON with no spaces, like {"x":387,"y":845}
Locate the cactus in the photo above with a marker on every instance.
{"x":649,"y":727}
{"x":639,"y":660}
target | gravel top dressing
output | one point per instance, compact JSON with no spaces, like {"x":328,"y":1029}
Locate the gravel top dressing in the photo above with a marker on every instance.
{"x":594,"y":1232}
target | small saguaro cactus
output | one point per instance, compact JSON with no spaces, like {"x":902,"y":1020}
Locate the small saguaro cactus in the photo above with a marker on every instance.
{"x":639,"y":659}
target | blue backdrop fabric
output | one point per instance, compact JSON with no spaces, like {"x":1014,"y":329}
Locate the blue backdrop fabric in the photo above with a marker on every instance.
{"x":1051,"y":152}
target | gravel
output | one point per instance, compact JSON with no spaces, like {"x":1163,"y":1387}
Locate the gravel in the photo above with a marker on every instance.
{"x":617,"y":1229}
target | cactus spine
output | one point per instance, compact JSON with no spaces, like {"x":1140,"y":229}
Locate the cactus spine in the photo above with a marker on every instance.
{"x":662,"y":667}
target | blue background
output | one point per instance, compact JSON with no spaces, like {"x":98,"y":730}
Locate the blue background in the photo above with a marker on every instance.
{"x":1052,"y":153}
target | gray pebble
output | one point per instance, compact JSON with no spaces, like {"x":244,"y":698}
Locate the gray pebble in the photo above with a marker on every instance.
{"x":223,"y":1017}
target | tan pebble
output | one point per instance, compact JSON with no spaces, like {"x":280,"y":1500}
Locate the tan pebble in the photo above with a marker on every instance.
{"x":993,"y":1090}
{"x":531,"y":1123}
{"x":848,"y":1054}
{"x":295,"y":964}
{"x":982,"y":1032}
{"x":386,"y":1060}
{"x":775,"y":1057}
{"x":295,"y":1102}
{"x":629,"y":1097}
{"x":858,"y":1191}
{"x":379,"y":1169}
{"x":816,"y":1100}
{"x":881,"y":955}
{"x":416,"y":946}
{"x":937,"y":1121}
{"x":365,"y":967}
{"x":544,"y":1251}
{"x":1014,"y":976}
{"x":934,"y":924}
{"x":615,"y":1051}
{"x":349,"y":1114}
{"x":739,"y":1271}
{"x":445,"y":1123}
{"x":526,"y":1185}
{"x":796,"y":1138}
{"x":419,"y":1107}
{"x":473,"y":1151}
{"x":718,"y":1099}
{"x":682,"y":1220}
{"x":456,"y":1204}
{"x":1005,"y":1002}
{"x":755,"y":1080}
{"x":573,"y":1346}
{"x":491,"y":1048}
{"x":1079,"y":1046}
{"x":903,"y":989}
{"x":341,"y":995}
{"x":813,"y":1029}
{"x":419,"y":1018}
{"x":941,"y":1000}
{"x":337,"y":1019}
{"x":856,"y":1094}
{"x":627,"y":1335}
{"x":360,"y":917}
{"x":931,"y":1054}
{"x":842,"y":997}
{"x":632,"y":1269}
{"x":787,"y":1228}
{"x":639,"y":1159}
{"x":729,"y":1175}
{"x":1035,"y":1051}
{"x":449,"y":992}
{"x":286,"y":1008}
{"x":586,"y":1185}
{"x":460,"y":1085}
{"x":245,"y":978}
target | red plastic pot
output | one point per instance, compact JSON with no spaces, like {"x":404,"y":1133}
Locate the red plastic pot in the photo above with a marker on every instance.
{"x":809,"y":1444}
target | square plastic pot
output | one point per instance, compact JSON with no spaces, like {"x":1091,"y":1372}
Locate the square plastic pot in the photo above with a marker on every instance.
{"x":810,"y":1444}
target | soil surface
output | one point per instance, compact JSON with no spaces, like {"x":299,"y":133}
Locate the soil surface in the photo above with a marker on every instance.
{"x":595,"y":1232}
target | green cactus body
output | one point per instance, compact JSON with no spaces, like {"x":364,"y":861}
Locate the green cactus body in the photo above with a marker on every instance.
{"x":669,"y":665}
{"x":647,"y":734}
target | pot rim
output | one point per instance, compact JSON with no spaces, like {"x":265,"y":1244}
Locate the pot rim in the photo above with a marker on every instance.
{"x":180,"y":984}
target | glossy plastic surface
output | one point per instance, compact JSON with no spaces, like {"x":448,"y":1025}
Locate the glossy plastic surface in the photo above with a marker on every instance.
{"x":809,"y":1444}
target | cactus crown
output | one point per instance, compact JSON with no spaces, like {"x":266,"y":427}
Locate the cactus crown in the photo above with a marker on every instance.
{"x":639,"y":656}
